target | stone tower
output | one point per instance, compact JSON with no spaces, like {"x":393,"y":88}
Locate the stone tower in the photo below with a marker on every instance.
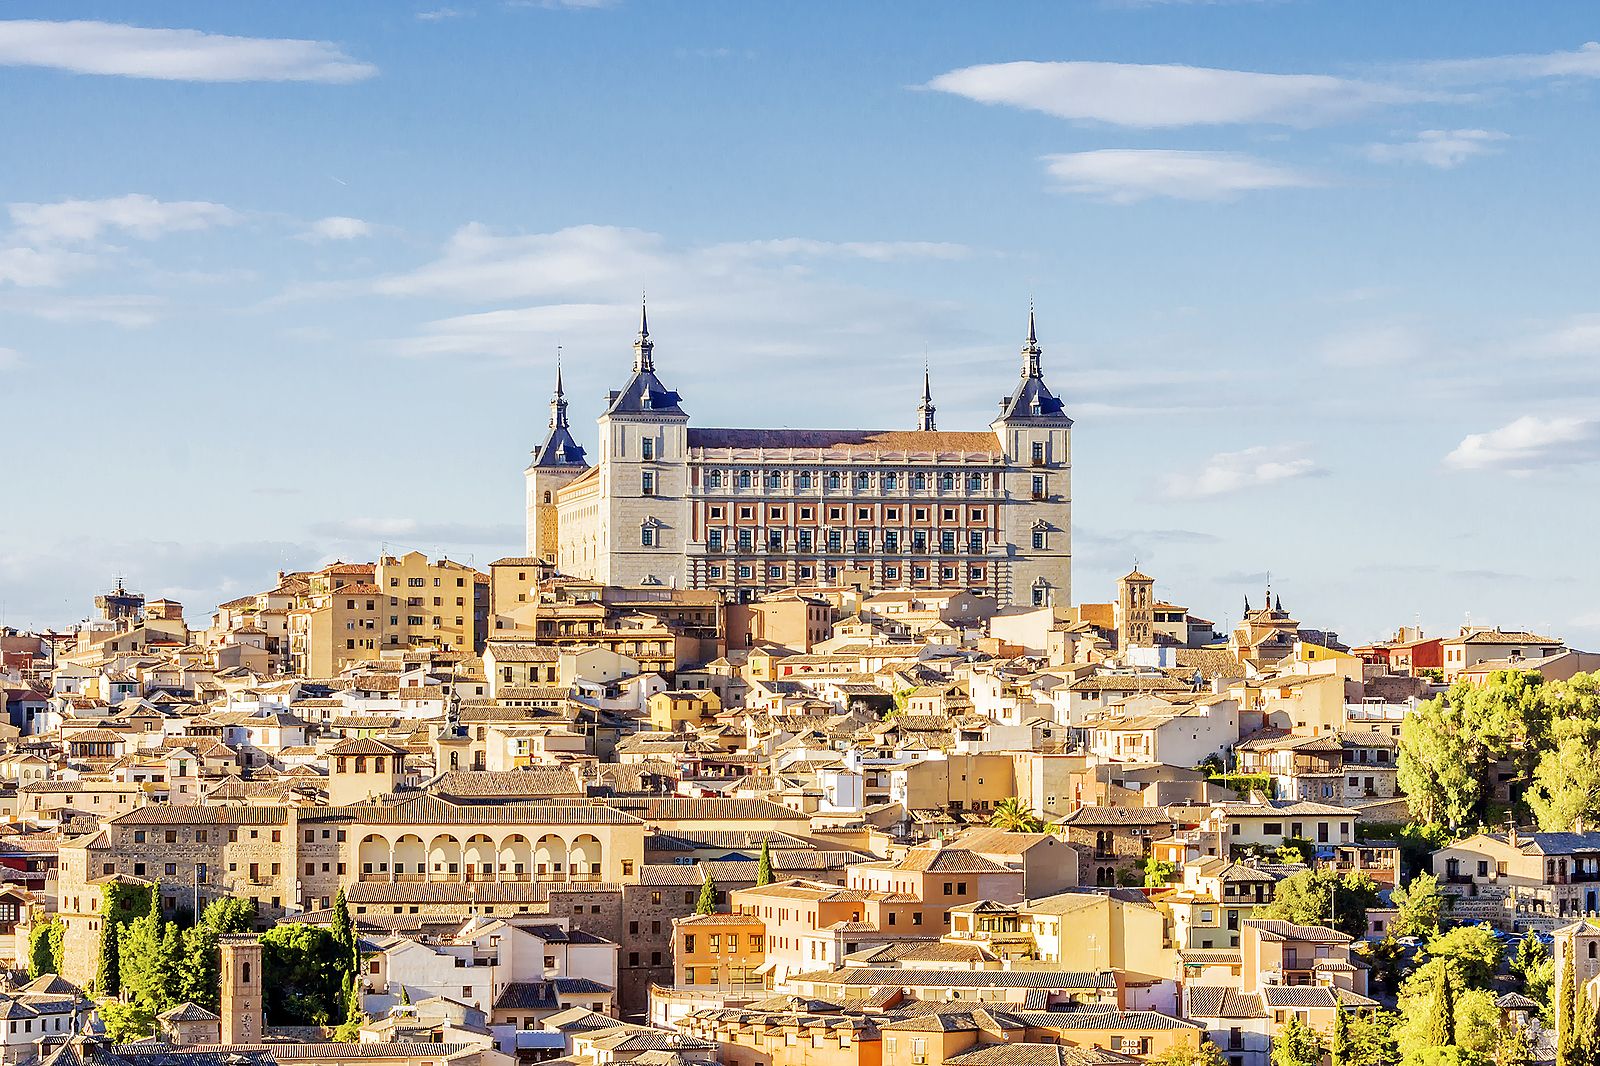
{"x":644,"y":478}
{"x":1136,"y":613}
{"x":1036,"y":436}
{"x":243,"y":1015}
{"x":555,"y":463}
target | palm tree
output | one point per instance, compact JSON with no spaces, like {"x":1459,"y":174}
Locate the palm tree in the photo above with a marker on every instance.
{"x":1009,"y":814}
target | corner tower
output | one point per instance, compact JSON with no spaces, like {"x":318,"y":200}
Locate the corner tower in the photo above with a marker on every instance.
{"x":644,"y":478}
{"x":555,"y":463}
{"x":1036,"y":436}
{"x":243,"y":1009}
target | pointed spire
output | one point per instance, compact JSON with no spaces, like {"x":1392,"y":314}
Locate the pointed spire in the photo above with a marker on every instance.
{"x":1031,"y":350}
{"x":1278,"y":604}
{"x":1247,"y":604}
{"x":558,"y":402}
{"x":643,"y":347}
{"x":925,"y":409}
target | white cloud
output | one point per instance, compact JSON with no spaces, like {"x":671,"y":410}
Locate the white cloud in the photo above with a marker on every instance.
{"x":440,"y":14}
{"x":1152,"y":96}
{"x":1582,"y":63}
{"x":338,"y":228}
{"x":138,"y":215}
{"x":1436,"y":148}
{"x":1531,"y":443}
{"x":1580,"y":335}
{"x":40,"y":267}
{"x":1375,"y":346}
{"x":1128,"y":175}
{"x":1229,"y":472}
{"x":84,"y":47}
{"x":10,"y":358}
{"x":129,"y":312}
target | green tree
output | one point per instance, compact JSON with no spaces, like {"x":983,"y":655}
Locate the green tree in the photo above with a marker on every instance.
{"x":1206,"y":1054}
{"x":707,"y":904}
{"x":1472,"y":951}
{"x":349,"y":1031}
{"x":1420,"y":907}
{"x":44,"y":955}
{"x":1450,"y":747}
{"x":126,"y":1022}
{"x":1013,"y":816}
{"x":1442,"y":1011}
{"x":1158,"y":872}
{"x":305,"y":975}
{"x":1535,"y":969}
{"x":764,"y":866}
{"x":340,"y":926}
{"x":1296,"y":1044}
{"x":150,"y":953}
{"x":1566,"y":782}
{"x":1295,"y":851}
{"x":1339,"y":1049}
{"x":123,"y":902}
{"x":1372,"y":1038}
{"x":1566,"y":1024}
{"x":1308,"y":897}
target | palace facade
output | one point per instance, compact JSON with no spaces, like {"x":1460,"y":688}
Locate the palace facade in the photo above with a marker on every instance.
{"x":748,"y":511}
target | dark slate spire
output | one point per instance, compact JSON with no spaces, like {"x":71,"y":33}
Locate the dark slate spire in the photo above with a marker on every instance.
{"x":1247,"y":603}
{"x":559,"y":447}
{"x":644,"y":347}
{"x":1032,"y":399}
{"x":644,"y":394}
{"x":925,"y":409}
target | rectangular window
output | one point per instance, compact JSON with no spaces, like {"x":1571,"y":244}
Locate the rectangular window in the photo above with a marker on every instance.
{"x":746,"y":540}
{"x":647,"y":448}
{"x":714,"y":540}
{"x":647,"y":485}
{"x":891,"y":541}
{"x":1038,"y":538}
{"x":647,"y":536}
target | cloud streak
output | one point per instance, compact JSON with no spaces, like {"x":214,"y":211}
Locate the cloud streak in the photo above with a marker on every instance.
{"x":117,"y":49}
{"x":137,"y":215}
{"x":1129,"y":175}
{"x":1153,"y":96}
{"x":1530,"y":444}
{"x":1226,"y":473}
{"x":1444,"y":149}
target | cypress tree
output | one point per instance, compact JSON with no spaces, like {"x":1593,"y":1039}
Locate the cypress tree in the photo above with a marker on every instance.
{"x":764,"y":867}
{"x":708,"y":897}
{"x":1442,"y":1021}
{"x":1340,"y":1049}
{"x":1566,"y":1027}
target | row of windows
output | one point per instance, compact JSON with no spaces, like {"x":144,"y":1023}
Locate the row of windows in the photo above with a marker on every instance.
{"x":805,"y":540}
{"x":747,"y":513}
{"x":890,"y":481}
{"x":806,"y":571}
{"x":421,"y":582}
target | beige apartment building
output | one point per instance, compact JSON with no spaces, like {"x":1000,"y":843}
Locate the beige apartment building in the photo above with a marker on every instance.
{"x":292,"y":859}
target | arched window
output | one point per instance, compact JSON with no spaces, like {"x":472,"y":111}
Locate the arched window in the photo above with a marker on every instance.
{"x":546,"y":495}
{"x":244,"y":973}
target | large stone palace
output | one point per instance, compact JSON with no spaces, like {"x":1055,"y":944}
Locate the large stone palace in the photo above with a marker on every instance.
{"x":747,"y":511}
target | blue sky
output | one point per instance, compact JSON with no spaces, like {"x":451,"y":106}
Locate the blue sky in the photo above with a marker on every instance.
{"x":1317,"y":281}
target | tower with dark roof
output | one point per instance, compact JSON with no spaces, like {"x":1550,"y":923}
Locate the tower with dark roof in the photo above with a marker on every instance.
{"x":644,"y":478}
{"x":1036,"y":438}
{"x":556,"y":462}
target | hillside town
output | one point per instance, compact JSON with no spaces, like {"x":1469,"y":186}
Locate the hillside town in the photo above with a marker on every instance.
{"x":784,"y":748}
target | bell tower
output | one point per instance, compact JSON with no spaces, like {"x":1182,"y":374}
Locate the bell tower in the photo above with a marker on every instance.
{"x":243,"y":1014}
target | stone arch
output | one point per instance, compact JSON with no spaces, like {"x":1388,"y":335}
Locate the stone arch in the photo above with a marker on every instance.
{"x":444,"y":858}
{"x":550,"y":858}
{"x":478,"y":858}
{"x":410,"y":858}
{"x":584,"y":858}
{"x":516,"y":858}
{"x":373,"y":856}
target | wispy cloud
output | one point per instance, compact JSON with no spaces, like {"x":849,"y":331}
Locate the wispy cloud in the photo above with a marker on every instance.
{"x":441,"y":14}
{"x":1584,"y":62}
{"x":137,"y":215}
{"x":10,"y":358}
{"x":368,"y":529}
{"x":1390,"y":344}
{"x":111,"y":48}
{"x":1230,"y":472}
{"x":337,"y":228}
{"x":40,"y":267}
{"x":1436,"y":148}
{"x":1128,"y":175}
{"x":1151,"y":96}
{"x":1529,"y":444}
{"x":1579,"y":335}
